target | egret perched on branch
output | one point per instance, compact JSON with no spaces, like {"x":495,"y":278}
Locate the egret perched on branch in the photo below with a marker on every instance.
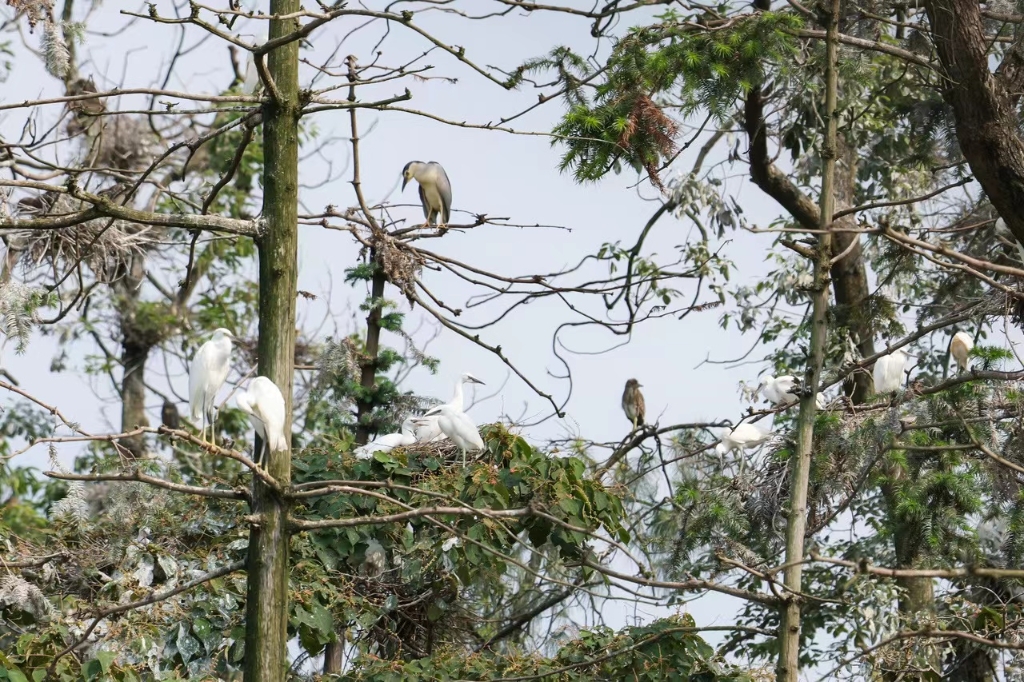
{"x":782,"y":391}
{"x":960,"y":347}
{"x":435,"y":190}
{"x":264,"y":404}
{"x":743,"y":437}
{"x":207,"y":375}
{"x":457,"y":425}
{"x":633,"y":403}
{"x":889,"y":372}
{"x":388,"y":441}
{"x":427,"y":429}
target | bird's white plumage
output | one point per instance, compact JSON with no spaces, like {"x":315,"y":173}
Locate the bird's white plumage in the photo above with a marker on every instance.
{"x":889,"y":372}
{"x":459,"y":428}
{"x":426,"y":429}
{"x":388,"y":441}
{"x":207,"y":374}
{"x":743,"y":437}
{"x":435,"y":190}
{"x":960,"y":347}
{"x":782,"y":391}
{"x":1003,"y":230}
{"x":264,"y":404}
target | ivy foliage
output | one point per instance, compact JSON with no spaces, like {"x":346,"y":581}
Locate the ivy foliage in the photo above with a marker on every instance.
{"x":667,"y":649}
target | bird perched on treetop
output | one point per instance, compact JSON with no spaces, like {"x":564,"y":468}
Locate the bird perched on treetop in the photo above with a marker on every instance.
{"x":633,"y":403}
{"x":889,"y":372}
{"x":960,"y":347}
{"x":435,"y":190}
{"x":264,"y":404}
{"x":207,"y":375}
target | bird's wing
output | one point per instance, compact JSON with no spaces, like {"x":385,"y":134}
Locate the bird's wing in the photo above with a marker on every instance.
{"x":270,"y":406}
{"x":880,"y":370}
{"x":426,"y":206}
{"x":444,"y":188}
{"x":641,"y":408}
{"x":197,"y":373}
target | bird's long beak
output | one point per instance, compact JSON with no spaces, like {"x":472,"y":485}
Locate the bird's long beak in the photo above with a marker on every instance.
{"x":477,"y":381}
{"x":429,"y":412}
{"x":405,"y":181}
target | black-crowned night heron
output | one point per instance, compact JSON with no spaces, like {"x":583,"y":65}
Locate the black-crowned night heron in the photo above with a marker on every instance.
{"x":206,"y":376}
{"x":264,"y":404}
{"x":633,"y":403}
{"x":960,"y":347}
{"x":459,"y":428}
{"x":889,"y":372}
{"x":435,"y":190}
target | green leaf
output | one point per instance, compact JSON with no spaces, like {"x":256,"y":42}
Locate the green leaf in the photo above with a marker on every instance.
{"x":105,"y":658}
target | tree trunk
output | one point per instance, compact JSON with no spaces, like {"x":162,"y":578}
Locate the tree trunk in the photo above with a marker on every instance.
{"x":267,"y":594}
{"x":788,"y":668}
{"x":983,"y":104}
{"x":136,"y":343}
{"x":849,"y":276}
{"x":364,"y":406}
{"x":368,"y":376}
{"x":133,"y":394}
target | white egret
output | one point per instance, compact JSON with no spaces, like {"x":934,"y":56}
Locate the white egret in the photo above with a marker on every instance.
{"x":426,"y":428}
{"x":457,"y":425}
{"x":960,"y":347}
{"x":633,"y":403}
{"x":782,"y":391}
{"x":889,"y":372}
{"x":264,"y":404}
{"x":435,"y":189}
{"x":206,"y":376}
{"x":743,"y":437}
{"x":388,"y":441}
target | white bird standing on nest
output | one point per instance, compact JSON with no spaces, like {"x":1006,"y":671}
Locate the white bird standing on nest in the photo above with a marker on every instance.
{"x":206,"y":376}
{"x":264,"y":404}
{"x":457,"y":425}
{"x":889,"y":372}
{"x":633,"y":403}
{"x":782,"y":391}
{"x":743,"y":437}
{"x":427,"y":429}
{"x":388,"y":441}
{"x":435,"y":190}
{"x":960,"y":347}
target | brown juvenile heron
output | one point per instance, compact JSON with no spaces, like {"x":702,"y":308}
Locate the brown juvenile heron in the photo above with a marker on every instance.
{"x":633,"y":403}
{"x":169,"y":415}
